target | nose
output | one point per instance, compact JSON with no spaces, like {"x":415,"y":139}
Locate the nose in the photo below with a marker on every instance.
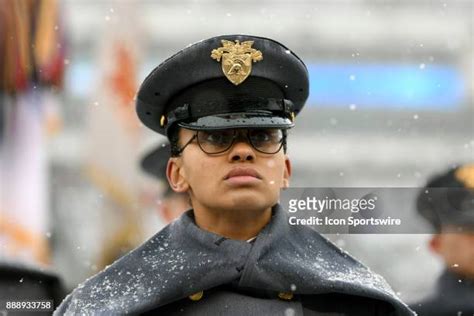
{"x":241,"y":151}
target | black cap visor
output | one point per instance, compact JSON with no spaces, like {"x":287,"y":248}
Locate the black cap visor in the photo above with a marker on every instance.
{"x":238,"y":120}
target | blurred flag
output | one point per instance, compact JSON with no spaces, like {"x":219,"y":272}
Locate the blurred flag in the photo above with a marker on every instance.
{"x":31,"y":62}
{"x":113,"y":131}
{"x":23,"y":175}
{"x":49,"y":44}
{"x":15,"y":42}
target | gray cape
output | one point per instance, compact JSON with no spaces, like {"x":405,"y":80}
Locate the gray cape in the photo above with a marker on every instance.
{"x":183,"y":259}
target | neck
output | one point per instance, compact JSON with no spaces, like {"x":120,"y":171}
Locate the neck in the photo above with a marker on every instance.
{"x":233,"y":224}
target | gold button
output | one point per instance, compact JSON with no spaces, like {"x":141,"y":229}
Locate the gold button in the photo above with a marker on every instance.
{"x":162,"y":120}
{"x":287,"y":296}
{"x":196,"y":296}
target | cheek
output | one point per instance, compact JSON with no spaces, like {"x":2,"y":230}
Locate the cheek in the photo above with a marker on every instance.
{"x":449,"y":244}
{"x":467,"y":245}
{"x":271,"y":163}
{"x":275,"y":170}
{"x":457,"y":248}
{"x":199,"y":171}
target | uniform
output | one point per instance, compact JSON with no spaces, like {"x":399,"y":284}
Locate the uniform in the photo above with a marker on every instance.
{"x":232,"y":82}
{"x":446,"y":203}
{"x":184,"y":270}
{"x":454,"y":296}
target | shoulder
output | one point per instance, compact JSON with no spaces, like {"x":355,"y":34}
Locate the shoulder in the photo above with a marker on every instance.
{"x":312,"y":243}
{"x":315,"y":265}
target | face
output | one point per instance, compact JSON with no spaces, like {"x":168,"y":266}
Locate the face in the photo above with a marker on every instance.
{"x":240,"y":178}
{"x":457,"y":250}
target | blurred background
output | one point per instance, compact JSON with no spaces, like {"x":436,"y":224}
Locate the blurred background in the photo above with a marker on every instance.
{"x":391,"y":104}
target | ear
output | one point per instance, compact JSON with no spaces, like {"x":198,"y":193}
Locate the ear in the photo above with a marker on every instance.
{"x":435,"y":243}
{"x":174,"y":173}
{"x":287,"y":173}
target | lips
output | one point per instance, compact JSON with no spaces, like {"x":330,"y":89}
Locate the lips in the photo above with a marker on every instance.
{"x":242,"y":172}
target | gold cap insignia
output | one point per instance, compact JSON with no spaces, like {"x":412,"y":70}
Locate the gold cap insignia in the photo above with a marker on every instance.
{"x":236,"y":59}
{"x":465,"y":174}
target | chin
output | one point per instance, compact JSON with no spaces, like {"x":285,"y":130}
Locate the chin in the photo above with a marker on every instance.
{"x":251,"y":201}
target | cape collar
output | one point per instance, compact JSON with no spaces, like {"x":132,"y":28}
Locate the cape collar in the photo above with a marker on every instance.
{"x":183,"y":259}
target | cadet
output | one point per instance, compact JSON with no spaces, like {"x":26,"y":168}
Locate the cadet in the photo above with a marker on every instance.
{"x":172,"y":204}
{"x":447,"y":203}
{"x":226,"y":105}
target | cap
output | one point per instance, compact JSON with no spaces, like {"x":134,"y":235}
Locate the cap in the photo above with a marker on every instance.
{"x":154,"y":163}
{"x":228,"y":81}
{"x":447,"y":200}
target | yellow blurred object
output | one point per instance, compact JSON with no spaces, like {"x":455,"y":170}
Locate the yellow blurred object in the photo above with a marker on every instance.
{"x":129,"y":235}
{"x":46,"y":39}
{"x":465,"y":174}
{"x":106,"y":182}
{"x":196,"y":296}
{"x":287,"y":296}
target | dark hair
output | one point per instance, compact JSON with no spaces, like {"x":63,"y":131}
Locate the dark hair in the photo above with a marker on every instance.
{"x":438,"y":206}
{"x":173,"y":136}
{"x":285,"y":137}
